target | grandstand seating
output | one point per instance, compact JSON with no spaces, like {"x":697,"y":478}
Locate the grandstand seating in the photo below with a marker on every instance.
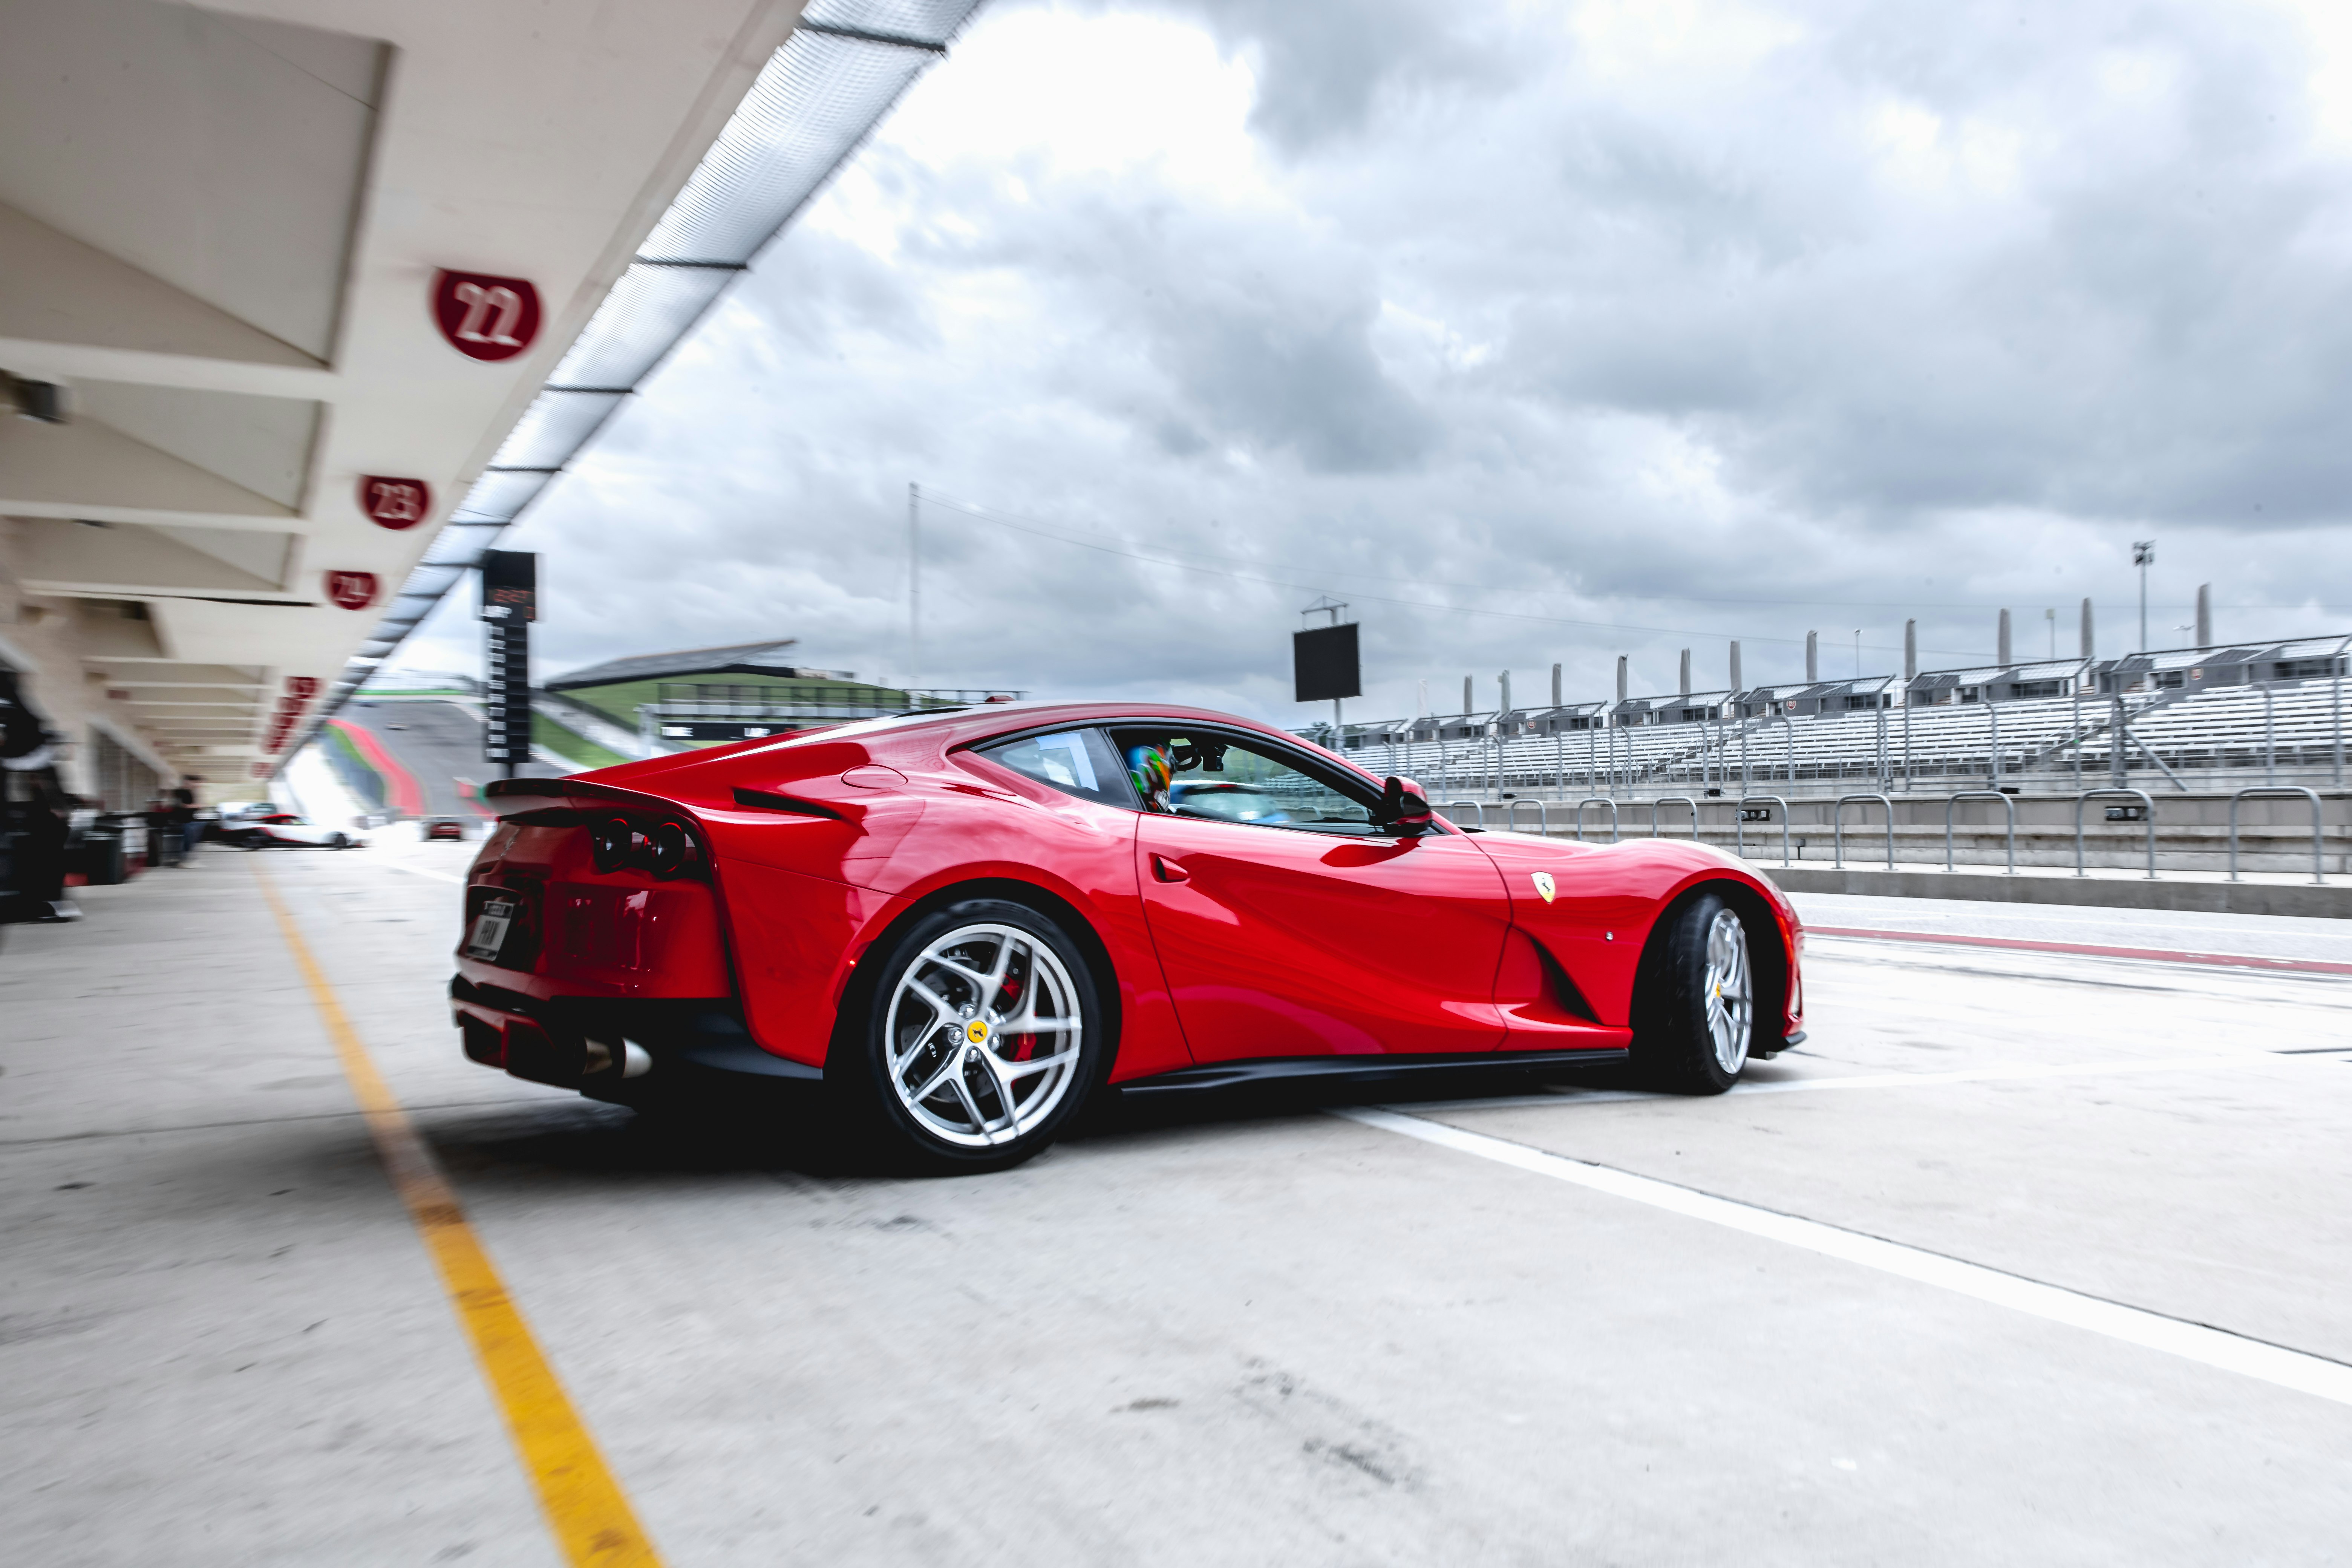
{"x":2293,"y":730}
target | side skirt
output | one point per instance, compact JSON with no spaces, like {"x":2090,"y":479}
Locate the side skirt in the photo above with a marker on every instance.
{"x":1358,"y":1069}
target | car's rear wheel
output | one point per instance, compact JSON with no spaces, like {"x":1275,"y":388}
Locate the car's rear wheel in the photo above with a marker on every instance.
{"x":339,"y":842}
{"x":979,"y":1037}
{"x":1698,"y":1012}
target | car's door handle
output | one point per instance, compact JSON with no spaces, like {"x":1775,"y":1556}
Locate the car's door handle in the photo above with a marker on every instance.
{"x":1167,"y":871}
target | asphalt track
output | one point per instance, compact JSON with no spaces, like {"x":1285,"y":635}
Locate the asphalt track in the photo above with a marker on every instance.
{"x":2029,"y":1255}
{"x":438,"y":742}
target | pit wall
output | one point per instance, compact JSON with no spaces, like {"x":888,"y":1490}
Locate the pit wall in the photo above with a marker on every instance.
{"x":2191,"y":831}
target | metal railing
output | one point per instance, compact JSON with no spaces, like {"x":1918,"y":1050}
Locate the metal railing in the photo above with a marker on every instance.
{"x":1673,"y":800}
{"x":1543,"y":817}
{"x":1837,"y":825}
{"x":2282,"y":792}
{"x":1596,"y":800}
{"x":1740,"y":826}
{"x":2147,"y":803}
{"x":2008,"y":802}
{"x":1448,"y":809}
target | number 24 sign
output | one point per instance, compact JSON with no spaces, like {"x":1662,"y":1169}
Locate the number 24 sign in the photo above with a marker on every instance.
{"x":485,"y":316}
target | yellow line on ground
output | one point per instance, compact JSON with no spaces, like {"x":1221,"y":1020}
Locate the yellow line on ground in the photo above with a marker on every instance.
{"x":590,"y":1515}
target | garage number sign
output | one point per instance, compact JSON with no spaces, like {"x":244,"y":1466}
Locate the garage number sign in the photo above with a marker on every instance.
{"x":484,"y":317}
{"x":352,"y":590}
{"x":394,"y":503}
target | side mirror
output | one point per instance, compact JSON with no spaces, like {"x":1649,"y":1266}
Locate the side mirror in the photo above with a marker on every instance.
{"x":1403,"y":805}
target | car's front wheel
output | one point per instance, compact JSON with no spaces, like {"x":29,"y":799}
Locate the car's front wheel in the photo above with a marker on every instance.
{"x":338,"y":841}
{"x":1698,"y":1012}
{"x":976,"y":1039}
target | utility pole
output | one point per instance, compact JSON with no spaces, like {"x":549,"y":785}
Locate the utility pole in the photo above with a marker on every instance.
{"x":2143,"y":557}
{"x":914,"y":588}
{"x":1857,"y":653}
{"x":2051,"y":616}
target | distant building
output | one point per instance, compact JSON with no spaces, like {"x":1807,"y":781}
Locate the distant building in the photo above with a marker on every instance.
{"x":706,"y":696}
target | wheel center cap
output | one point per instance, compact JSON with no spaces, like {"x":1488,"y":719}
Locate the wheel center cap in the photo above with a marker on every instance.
{"x":976,"y":1031}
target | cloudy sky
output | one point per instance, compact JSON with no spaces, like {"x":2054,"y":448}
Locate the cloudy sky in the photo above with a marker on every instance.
{"x":1538,"y":333}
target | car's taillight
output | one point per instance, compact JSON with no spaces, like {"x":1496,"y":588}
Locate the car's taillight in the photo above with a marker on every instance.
{"x":667,"y":849}
{"x":670,"y":849}
{"x":613,"y":844}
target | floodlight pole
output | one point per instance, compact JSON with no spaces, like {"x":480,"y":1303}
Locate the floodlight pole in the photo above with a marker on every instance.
{"x":2143,"y":557}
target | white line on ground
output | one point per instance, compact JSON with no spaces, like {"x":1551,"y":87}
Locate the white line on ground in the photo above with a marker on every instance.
{"x":421,"y":871}
{"x":2211,"y":1347}
{"x":1875,"y":1080}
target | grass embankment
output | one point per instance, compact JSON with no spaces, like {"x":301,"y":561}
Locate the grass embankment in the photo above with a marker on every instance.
{"x":359,"y":776}
{"x":577,"y":750}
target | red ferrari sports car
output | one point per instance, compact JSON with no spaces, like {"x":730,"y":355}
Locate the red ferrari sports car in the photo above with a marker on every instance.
{"x":964,"y":923}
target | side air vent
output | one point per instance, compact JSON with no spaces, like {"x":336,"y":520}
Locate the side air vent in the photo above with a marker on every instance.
{"x":761,"y":800}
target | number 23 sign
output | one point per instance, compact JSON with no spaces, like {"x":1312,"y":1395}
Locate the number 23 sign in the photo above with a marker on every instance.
{"x":485,"y":316}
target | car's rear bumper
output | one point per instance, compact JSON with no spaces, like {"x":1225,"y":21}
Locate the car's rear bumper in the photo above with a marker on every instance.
{"x":608,"y":1046}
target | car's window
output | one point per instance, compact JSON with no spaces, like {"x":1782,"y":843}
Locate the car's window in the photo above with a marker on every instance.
{"x":1221,"y":779}
{"x":1076,"y":761}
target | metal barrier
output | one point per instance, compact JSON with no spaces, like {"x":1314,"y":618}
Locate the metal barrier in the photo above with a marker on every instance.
{"x":1837,"y":825}
{"x":2281,"y":792}
{"x":1673,"y":800}
{"x":1740,"y":826}
{"x":1448,"y":809}
{"x":1596,"y":800}
{"x":2147,"y":803}
{"x":2008,"y":801}
{"x":1543,"y":817}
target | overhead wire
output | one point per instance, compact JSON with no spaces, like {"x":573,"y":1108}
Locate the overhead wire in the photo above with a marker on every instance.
{"x":1030,"y":526}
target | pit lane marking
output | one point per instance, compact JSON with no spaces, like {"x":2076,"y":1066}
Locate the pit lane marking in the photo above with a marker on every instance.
{"x":2089,"y":949}
{"x":1880,"y":1081}
{"x":585,"y":1507}
{"x":421,"y":871}
{"x":2292,"y":1369}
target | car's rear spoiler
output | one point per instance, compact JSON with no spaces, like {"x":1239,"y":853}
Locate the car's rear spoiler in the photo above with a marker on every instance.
{"x":516,"y":797}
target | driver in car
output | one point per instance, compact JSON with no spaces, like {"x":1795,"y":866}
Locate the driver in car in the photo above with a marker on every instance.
{"x":1148,"y":766}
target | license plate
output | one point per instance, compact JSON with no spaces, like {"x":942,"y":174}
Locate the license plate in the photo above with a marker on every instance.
{"x":491,"y":930}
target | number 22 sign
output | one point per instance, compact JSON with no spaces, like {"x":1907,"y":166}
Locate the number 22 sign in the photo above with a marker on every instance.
{"x":485,"y":316}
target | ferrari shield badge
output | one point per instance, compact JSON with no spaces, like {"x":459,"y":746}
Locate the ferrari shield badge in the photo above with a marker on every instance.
{"x":1544,"y":885}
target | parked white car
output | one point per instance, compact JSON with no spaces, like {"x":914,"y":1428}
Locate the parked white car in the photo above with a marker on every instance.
{"x":283,"y":829}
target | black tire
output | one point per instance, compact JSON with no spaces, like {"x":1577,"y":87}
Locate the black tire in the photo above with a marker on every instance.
{"x":1676,"y":1043}
{"x":938,"y":1133}
{"x":339,"y":842}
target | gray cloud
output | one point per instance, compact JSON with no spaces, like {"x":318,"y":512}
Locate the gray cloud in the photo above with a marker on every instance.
{"x":1536,"y":343}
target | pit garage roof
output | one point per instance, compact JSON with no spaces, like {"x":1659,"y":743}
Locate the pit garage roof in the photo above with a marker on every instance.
{"x":233,"y":237}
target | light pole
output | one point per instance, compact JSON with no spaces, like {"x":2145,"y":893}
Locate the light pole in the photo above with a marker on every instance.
{"x":2051,"y":616}
{"x":1857,"y":653}
{"x":2143,"y":557}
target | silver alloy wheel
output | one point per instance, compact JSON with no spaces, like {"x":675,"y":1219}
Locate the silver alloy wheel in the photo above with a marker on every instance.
{"x":1730,"y":1007}
{"x":982,"y":1035}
